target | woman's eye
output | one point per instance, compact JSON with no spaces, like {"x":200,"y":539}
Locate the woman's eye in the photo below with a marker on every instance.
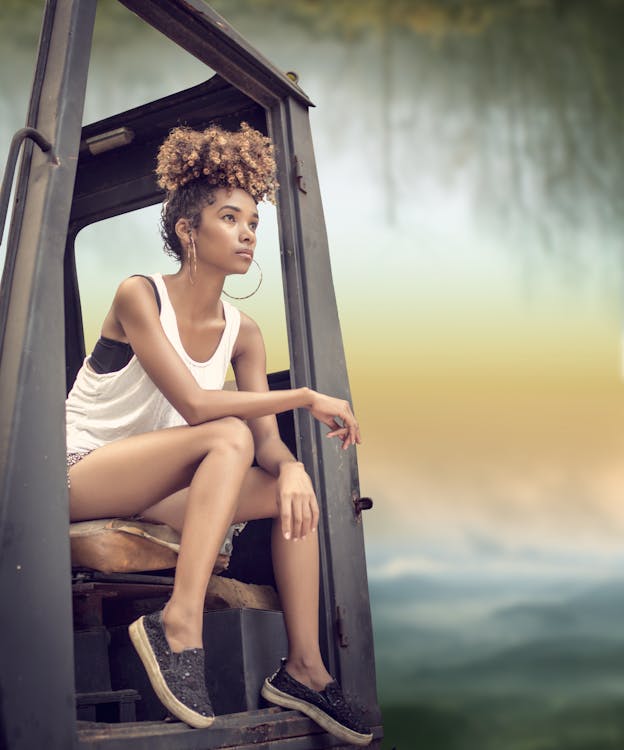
{"x":229,"y":217}
{"x":253,"y":226}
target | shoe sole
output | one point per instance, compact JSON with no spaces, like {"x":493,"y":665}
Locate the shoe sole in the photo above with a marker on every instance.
{"x":273,"y":695}
{"x":141,"y":643}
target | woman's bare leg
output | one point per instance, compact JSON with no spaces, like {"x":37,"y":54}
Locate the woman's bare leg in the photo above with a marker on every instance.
{"x":128,"y":477}
{"x":205,"y":526}
{"x":296,"y":568}
{"x":257,"y":499}
{"x":132,"y":476}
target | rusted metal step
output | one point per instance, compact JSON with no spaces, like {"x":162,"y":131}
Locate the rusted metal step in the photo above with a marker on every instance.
{"x":260,"y":730}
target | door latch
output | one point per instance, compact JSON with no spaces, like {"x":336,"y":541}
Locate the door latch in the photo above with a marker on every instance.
{"x":341,"y":626}
{"x":301,"y":183}
{"x":361,"y":503}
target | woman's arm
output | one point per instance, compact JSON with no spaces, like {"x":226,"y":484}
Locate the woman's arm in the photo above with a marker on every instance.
{"x":135,"y":310}
{"x":295,"y":495}
{"x":249,"y":364}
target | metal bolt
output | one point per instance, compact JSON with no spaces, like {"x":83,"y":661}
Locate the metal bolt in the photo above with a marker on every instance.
{"x":362,"y":503}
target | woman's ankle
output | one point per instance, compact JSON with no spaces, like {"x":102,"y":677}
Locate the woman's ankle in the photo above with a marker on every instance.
{"x":183,"y":627}
{"x":310,"y":671}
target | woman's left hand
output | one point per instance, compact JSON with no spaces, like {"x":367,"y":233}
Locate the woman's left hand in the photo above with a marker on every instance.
{"x":297,"y":502}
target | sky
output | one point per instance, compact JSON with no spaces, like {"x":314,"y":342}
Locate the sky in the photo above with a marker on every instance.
{"x":468,"y":168}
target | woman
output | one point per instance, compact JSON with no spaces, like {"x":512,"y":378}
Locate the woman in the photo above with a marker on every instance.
{"x":150,"y":433}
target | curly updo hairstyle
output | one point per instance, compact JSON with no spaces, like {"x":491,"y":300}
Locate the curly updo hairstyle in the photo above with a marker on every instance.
{"x":192,"y":164}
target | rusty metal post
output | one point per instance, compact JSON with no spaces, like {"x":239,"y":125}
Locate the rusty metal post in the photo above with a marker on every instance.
{"x":37,"y":707}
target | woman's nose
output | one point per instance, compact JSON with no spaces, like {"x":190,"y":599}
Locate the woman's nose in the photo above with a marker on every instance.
{"x":247,"y":235}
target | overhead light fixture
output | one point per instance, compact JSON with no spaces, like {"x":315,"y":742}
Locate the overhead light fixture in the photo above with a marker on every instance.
{"x":110,"y":140}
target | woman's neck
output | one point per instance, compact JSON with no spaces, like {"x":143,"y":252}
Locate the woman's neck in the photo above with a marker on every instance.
{"x":197,"y":300}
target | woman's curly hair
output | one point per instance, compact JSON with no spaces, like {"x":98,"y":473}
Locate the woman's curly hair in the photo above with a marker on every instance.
{"x":192,"y":164}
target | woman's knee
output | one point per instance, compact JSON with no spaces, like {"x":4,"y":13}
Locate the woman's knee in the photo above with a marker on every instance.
{"x":233,"y":435}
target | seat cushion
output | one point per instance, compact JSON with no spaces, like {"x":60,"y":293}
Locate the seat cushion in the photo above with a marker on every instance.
{"x":119,"y":545}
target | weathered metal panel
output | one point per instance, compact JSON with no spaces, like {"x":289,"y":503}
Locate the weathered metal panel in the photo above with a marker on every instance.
{"x":317,"y":359}
{"x":122,"y":179}
{"x":301,"y":365}
{"x":208,"y":36}
{"x":36,"y":658}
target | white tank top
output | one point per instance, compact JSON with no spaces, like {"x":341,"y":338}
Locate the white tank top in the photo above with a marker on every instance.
{"x":104,"y":407}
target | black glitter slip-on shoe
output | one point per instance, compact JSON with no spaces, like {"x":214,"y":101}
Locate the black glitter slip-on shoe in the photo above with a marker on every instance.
{"x":328,"y":707}
{"x":177,"y":678}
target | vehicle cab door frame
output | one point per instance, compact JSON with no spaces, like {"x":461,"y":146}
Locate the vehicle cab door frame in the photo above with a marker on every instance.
{"x":37,"y":707}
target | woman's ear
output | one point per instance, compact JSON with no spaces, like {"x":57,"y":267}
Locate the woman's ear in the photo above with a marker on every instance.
{"x":183,"y":229}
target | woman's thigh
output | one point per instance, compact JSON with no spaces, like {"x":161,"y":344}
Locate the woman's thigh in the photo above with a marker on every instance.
{"x":126,"y":477}
{"x":257,"y":499}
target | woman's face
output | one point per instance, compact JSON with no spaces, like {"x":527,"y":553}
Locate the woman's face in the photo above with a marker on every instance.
{"x":226,"y":236}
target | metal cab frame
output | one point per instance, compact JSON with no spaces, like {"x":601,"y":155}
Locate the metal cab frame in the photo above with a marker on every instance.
{"x":60,"y":188}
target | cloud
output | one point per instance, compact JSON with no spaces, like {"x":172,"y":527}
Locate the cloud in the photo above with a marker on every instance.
{"x":442,"y":562}
{"x":565,"y":510}
{"x":398,"y":567}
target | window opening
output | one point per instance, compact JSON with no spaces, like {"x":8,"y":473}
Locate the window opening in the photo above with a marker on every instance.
{"x":126,"y":49}
{"x":111,"y":250}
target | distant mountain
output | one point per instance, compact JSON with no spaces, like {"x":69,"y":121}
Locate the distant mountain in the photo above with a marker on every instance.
{"x":606,"y":600}
{"x":570,"y":647}
{"x":399,"y":647}
{"x":413,"y":587}
{"x":597,"y":612}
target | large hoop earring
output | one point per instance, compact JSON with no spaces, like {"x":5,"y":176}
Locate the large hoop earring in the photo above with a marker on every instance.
{"x":247,"y":296}
{"x":192,"y":260}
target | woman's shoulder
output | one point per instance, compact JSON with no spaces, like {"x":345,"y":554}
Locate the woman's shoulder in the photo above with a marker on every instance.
{"x":133,"y":285}
{"x":248,"y":325}
{"x":249,"y":336}
{"x":135,"y":289}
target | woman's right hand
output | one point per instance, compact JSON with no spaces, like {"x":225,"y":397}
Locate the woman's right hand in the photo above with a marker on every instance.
{"x":337,"y":415}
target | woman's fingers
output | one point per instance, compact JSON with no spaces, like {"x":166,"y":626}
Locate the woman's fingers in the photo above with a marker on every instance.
{"x":338,"y":416}
{"x":314,"y":510}
{"x":285,"y":514}
{"x":297,"y":518}
{"x":296,"y":501}
{"x":337,"y":431}
{"x":310,"y":515}
{"x":306,"y":519}
{"x":348,"y":432}
{"x":299,"y":515}
{"x":354,"y":428}
{"x":333,"y":424}
{"x":343,"y":434}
